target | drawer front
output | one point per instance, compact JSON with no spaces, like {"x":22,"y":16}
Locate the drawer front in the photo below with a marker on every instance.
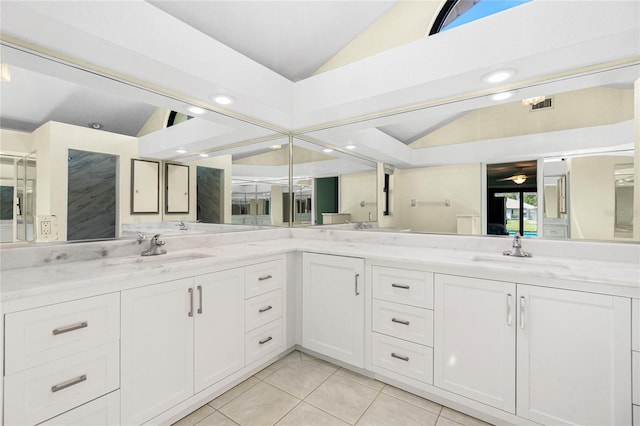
{"x":403,"y":286}
{"x":404,"y":322}
{"x":45,"y":391}
{"x":263,"y":341}
{"x":262,"y":309}
{"x":402,"y":357}
{"x":636,"y":377}
{"x":37,"y":336}
{"x":263,"y":278}
{"x":104,"y":411}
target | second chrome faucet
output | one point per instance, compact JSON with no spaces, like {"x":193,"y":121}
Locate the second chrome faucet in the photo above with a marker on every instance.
{"x":516,"y":248}
{"x":155,"y":247}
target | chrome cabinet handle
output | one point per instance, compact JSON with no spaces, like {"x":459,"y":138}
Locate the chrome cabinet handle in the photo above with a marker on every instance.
{"x":356,"y":285}
{"x":262,"y":342}
{"x":400,"y":357}
{"x":190,"y":302}
{"x":68,"y":383}
{"x":199,"y":299}
{"x":265,"y":277}
{"x":402,"y":286}
{"x":68,"y":328}
{"x":400,"y":321}
{"x":522,"y":305}
{"x":261,"y":310}
{"x":509,"y":317}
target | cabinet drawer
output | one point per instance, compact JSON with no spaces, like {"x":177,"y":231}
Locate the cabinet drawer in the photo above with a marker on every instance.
{"x":403,"y":286}
{"x":262,"y":309}
{"x":404,"y":322}
{"x":263,"y":341}
{"x":104,"y":411}
{"x":402,"y":357}
{"x":43,"y":392}
{"x":39,"y":335}
{"x":263,"y":278}
{"x":636,"y":376}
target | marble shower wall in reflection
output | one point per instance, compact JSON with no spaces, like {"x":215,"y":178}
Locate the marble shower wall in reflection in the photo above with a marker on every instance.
{"x":91,"y":197}
{"x":210,"y":190}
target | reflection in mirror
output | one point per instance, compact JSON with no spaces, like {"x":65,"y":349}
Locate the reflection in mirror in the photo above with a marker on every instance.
{"x":624,"y":177}
{"x":17,"y":197}
{"x":439,"y":153}
{"x":332,"y":186}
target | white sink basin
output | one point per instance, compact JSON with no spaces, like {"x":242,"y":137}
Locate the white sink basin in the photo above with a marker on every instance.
{"x":520,"y":262}
{"x":161,"y":258}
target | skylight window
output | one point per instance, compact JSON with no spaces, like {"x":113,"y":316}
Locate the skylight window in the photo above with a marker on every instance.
{"x":459,"y":12}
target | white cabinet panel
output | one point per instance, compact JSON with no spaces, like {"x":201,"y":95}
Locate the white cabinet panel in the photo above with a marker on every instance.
{"x":333,"y":306}
{"x":474,"y":339}
{"x":104,"y":411}
{"x":402,"y":357}
{"x":636,"y":377}
{"x":36,"y":336}
{"x":403,"y":286}
{"x":157,"y":349}
{"x":45,"y":391}
{"x":636,"y":415}
{"x":404,"y":322}
{"x":263,"y":277}
{"x":264,"y":341}
{"x":635,"y":324}
{"x":219,"y":326}
{"x":263,"y":309}
{"x":574,"y":354}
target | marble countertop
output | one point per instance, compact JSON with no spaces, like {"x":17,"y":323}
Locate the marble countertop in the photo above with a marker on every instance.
{"x":23,"y":286}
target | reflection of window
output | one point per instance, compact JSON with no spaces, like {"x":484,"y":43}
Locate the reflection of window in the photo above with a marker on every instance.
{"x":177,"y":118}
{"x":459,"y":12}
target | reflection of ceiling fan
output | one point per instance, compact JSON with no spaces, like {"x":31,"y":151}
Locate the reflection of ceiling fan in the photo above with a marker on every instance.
{"x":518,"y":179}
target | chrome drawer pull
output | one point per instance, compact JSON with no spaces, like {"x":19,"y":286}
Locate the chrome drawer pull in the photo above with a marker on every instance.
{"x":69,"y":328}
{"x":400,"y":357}
{"x":262,"y":342}
{"x":200,"y":299}
{"x":265,"y":277}
{"x":261,"y":310}
{"x":356,"y":285}
{"x":190,"y":302}
{"x":403,"y":286}
{"x":69,"y":383}
{"x":400,"y":321}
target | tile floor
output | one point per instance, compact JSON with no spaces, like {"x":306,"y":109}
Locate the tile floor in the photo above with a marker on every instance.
{"x":302,"y":390}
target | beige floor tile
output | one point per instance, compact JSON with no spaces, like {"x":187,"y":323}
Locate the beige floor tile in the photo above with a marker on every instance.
{"x":321,"y":364}
{"x":195,"y":417}
{"x":307,"y":415}
{"x":291,"y":358}
{"x":305,"y":356}
{"x":342,"y":398}
{"x":217,"y":419}
{"x":234,"y":392}
{"x":443,"y":421}
{"x":461,"y":418}
{"x":299,"y":379}
{"x":412,"y":399}
{"x":363,"y":380}
{"x":261,"y":405}
{"x":387,"y":410}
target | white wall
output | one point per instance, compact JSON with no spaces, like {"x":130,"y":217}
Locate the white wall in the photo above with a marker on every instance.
{"x":355,"y":188}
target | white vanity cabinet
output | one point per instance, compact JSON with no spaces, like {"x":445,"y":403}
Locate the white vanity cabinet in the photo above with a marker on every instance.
{"x":565,"y":354}
{"x":333,"y":306}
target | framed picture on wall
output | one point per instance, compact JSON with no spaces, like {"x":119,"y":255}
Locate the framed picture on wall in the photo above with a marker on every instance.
{"x":145,"y":186}
{"x":176,"y":188}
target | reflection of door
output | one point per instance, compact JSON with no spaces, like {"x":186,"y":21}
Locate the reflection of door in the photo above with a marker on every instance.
{"x":326,"y":197}
{"x":91,"y":200}
{"x":209,"y":194}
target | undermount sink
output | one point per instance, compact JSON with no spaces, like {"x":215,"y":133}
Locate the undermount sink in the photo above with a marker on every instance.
{"x":161,"y":258}
{"x":520,"y":262}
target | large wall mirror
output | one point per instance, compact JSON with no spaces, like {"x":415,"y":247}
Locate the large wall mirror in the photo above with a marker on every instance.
{"x":553,"y":159}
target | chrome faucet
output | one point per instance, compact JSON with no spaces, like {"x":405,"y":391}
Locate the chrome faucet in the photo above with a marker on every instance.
{"x":182,"y":225}
{"x":516,"y":248}
{"x":155,"y":247}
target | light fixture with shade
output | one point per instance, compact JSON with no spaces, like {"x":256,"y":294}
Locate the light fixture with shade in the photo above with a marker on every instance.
{"x":518,"y":179}
{"x":5,"y":72}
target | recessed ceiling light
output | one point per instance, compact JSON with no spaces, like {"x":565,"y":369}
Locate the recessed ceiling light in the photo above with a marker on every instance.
{"x":204,"y":155}
{"x":501,"y":96}
{"x":195,"y":110}
{"x":499,"y":76}
{"x":95,"y":125}
{"x":275,"y":147}
{"x":350,"y":146}
{"x":327,"y":150}
{"x":181,"y":151}
{"x":222,"y":99}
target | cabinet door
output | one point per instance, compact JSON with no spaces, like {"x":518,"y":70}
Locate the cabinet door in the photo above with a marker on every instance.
{"x":574,"y":357}
{"x":157,"y":349}
{"x":219,"y":326}
{"x":474,"y":339}
{"x":333,"y":306}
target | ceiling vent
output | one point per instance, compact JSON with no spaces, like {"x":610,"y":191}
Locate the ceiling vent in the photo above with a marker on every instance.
{"x":547,"y":103}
